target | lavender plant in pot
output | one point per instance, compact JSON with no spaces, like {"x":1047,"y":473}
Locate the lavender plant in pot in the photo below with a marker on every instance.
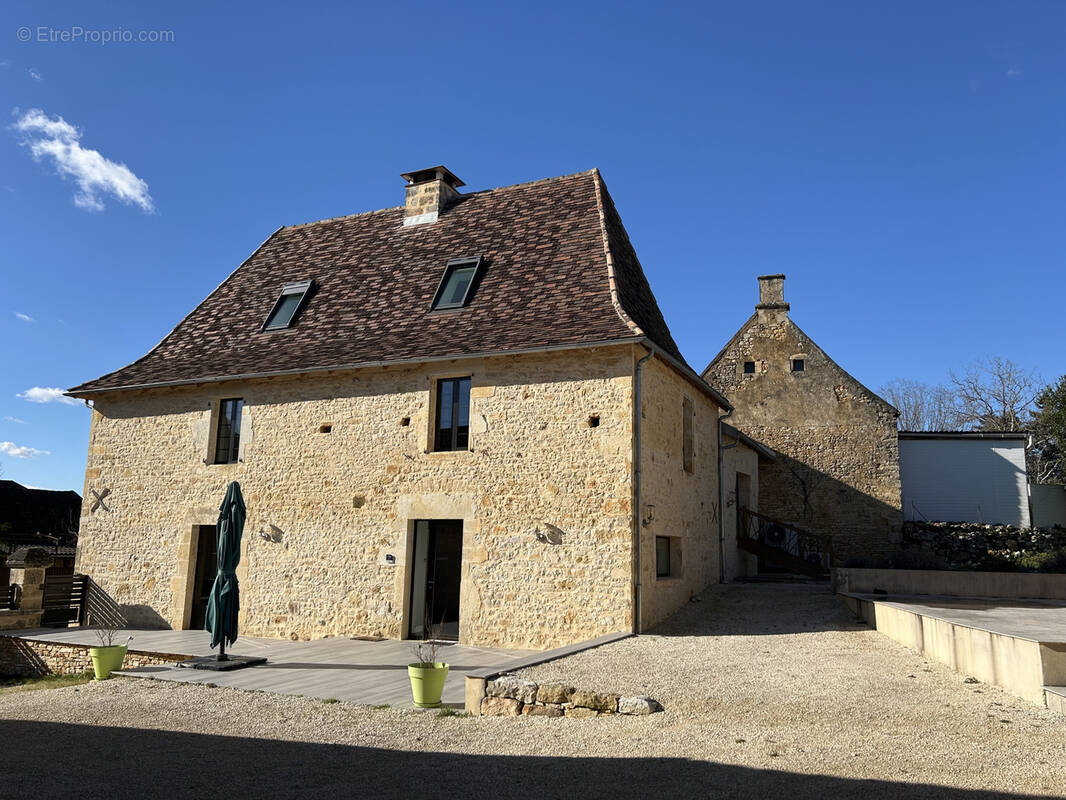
{"x":427,"y":674}
{"x":108,"y":656}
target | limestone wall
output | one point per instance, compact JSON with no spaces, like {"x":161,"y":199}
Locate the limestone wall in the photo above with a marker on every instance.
{"x":674,"y":502}
{"x":325,"y":510}
{"x":744,"y":461}
{"x":838,"y":465}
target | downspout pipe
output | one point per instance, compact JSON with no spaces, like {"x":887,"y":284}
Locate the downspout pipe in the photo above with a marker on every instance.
{"x":721,"y":495}
{"x":637,"y":417}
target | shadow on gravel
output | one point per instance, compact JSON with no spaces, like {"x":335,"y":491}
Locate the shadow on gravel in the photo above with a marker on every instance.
{"x":59,"y":760}
{"x":761,"y":609}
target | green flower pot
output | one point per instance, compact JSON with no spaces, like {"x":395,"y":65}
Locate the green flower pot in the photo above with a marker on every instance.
{"x":107,"y":659}
{"x":427,"y":683}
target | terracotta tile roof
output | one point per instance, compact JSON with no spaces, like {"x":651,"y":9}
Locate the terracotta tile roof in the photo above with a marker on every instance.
{"x":547,"y":246}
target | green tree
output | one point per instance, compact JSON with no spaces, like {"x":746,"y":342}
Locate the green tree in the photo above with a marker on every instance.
{"x":1047,"y":458}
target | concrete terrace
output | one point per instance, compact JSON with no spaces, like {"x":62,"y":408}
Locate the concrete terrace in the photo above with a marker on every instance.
{"x":352,"y":670}
{"x":1037,"y":620}
{"x":1019,"y":645}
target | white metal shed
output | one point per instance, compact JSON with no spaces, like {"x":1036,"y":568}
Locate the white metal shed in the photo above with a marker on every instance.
{"x":964,"y":477}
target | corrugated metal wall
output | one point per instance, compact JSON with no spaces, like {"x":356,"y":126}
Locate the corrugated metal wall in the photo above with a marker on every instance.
{"x":964,"y":480}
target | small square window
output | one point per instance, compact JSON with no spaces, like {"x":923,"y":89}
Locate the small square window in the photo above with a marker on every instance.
{"x":457,"y":283}
{"x":749,"y":367}
{"x":288,"y":306}
{"x":662,"y":556}
{"x":667,"y":557}
{"x":797,"y":365}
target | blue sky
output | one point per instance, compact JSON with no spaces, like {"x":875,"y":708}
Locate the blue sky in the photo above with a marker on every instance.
{"x":901,"y":162}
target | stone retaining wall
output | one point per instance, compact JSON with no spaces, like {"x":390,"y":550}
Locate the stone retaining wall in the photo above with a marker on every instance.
{"x":509,"y":696}
{"x":31,"y":657}
{"x":971,"y":545}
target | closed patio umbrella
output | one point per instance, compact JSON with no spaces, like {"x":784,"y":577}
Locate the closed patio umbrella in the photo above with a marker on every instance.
{"x":224,"y":602}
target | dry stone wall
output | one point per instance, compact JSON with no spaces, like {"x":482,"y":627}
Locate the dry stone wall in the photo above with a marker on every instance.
{"x":32,"y":657}
{"x":510,"y":696}
{"x":331,"y":515}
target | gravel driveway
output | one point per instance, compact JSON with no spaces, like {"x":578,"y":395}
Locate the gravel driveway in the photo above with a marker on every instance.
{"x":771,"y":691}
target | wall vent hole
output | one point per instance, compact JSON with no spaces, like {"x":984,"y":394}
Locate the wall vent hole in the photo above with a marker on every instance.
{"x":405,"y":422}
{"x":594,"y":421}
{"x":327,"y":428}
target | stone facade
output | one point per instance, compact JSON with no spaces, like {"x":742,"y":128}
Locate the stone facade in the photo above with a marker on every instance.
{"x":336,"y":468}
{"x":837,"y":469}
{"x":675,"y":502}
{"x":740,"y":489}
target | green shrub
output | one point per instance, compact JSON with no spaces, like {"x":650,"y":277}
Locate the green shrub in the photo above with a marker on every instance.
{"x":1052,"y":561}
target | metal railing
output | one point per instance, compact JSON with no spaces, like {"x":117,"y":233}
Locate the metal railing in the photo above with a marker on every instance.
{"x":785,"y":543}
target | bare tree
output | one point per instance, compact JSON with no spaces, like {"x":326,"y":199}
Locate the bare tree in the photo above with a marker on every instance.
{"x":995,"y":394}
{"x":922,"y":406}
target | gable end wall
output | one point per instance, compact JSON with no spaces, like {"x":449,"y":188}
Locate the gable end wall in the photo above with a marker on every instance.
{"x":838,"y":465}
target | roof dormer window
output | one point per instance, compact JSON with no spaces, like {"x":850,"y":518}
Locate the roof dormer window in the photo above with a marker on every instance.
{"x":457,"y":283}
{"x":288,"y":306}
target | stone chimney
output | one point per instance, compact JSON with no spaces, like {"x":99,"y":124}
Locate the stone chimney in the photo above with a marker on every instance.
{"x":428,"y":192}
{"x":772,"y":306}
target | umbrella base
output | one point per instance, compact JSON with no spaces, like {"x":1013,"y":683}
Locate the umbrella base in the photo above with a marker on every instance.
{"x":231,"y":662}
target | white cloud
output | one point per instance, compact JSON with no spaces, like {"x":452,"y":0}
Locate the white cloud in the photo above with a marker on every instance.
{"x":95,"y":175}
{"x":47,"y":394}
{"x":1013,"y":73}
{"x":15,"y":419}
{"x":20,"y":451}
{"x":24,"y":317}
{"x":5,"y":63}
{"x":35,"y":74}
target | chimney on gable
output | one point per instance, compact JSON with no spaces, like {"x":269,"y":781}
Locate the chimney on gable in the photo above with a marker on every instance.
{"x":772,"y":305}
{"x":428,"y":192}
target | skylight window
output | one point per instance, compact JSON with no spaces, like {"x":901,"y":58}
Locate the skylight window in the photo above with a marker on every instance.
{"x":456,"y":285}
{"x":288,"y":306}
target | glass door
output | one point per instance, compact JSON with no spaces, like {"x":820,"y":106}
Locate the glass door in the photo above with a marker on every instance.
{"x":435,"y":577}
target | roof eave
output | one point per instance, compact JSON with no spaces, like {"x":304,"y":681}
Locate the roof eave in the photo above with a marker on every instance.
{"x":1013,"y":435}
{"x":689,"y":374}
{"x":78,"y":392}
{"x":746,"y":440}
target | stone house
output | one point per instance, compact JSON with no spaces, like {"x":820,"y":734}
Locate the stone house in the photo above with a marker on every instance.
{"x":837,"y":465}
{"x":466,"y":411}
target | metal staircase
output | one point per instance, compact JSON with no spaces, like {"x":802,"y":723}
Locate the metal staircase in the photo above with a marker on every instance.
{"x":784,"y":545}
